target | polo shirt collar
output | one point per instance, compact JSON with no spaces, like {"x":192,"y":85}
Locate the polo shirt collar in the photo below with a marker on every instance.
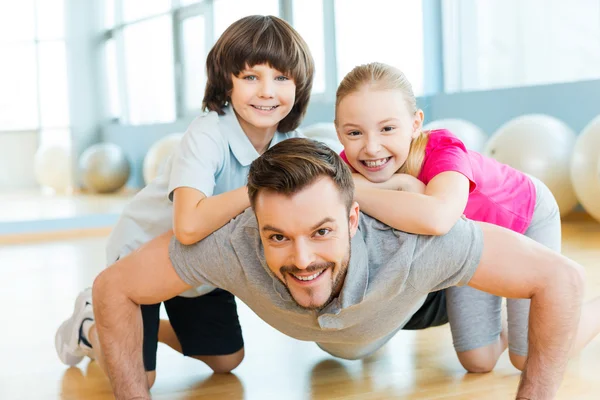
{"x":240,"y":145}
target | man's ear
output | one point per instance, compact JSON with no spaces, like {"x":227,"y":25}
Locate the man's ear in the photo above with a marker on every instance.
{"x":353,"y":218}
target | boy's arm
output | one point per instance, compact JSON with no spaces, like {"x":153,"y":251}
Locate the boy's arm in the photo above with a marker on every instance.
{"x":195,"y":167}
{"x":196,"y":216}
{"x":145,"y":276}
{"x":433,"y":212}
{"x":515,"y":266}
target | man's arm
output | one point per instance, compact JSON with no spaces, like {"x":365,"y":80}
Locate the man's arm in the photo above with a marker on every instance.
{"x":513,"y":265}
{"x":143,"y":277}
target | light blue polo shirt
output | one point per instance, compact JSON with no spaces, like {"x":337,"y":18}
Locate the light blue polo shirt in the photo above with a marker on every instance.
{"x":214,"y":157}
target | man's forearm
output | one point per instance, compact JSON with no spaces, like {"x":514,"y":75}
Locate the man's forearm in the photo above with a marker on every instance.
{"x":553,"y":321}
{"x":119,"y":327}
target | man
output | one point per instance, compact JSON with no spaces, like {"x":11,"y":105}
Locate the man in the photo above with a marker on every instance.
{"x":309,"y":264}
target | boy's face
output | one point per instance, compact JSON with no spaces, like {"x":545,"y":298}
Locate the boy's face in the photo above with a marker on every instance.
{"x":376,"y":129}
{"x":262,"y":97}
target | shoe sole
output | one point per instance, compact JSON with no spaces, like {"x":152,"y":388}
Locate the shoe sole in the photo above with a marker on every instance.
{"x":66,"y":346}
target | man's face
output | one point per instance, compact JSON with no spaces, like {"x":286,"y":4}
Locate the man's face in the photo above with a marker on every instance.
{"x":306,"y":239}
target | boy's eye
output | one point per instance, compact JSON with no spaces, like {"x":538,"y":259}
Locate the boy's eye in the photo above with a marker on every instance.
{"x":277,"y":238}
{"x":250,"y":77}
{"x":322,"y":232}
{"x":282,"y":78}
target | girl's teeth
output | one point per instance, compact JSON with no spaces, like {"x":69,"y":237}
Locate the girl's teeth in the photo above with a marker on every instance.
{"x":265,"y":108}
{"x":375,"y":163}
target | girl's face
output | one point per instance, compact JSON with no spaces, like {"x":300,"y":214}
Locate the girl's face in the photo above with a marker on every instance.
{"x":376,"y":129}
{"x":262,"y":97}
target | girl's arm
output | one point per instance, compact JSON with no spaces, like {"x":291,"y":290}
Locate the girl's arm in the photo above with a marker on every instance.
{"x":196,"y":216}
{"x":403,"y":182}
{"x":433,"y":212}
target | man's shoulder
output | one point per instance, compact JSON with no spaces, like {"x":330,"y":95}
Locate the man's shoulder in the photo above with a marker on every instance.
{"x":242,"y":229}
{"x":373,"y":227}
{"x":386,"y":239}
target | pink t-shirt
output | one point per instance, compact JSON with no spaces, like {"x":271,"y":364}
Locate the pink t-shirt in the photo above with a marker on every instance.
{"x":498,"y":194}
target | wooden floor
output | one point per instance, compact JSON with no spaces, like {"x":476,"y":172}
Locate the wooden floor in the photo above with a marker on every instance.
{"x":38,"y":283}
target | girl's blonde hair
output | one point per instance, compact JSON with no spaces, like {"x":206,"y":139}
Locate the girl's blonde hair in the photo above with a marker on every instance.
{"x":381,"y":76}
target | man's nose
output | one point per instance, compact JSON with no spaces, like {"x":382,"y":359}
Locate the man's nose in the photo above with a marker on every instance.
{"x":303,"y":254}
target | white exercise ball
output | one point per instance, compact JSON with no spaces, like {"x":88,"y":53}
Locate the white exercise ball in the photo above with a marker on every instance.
{"x":471,"y":135}
{"x":324,"y":132}
{"x":585,"y":168}
{"x":542,"y":146}
{"x":158,"y":154}
{"x":52,"y":167}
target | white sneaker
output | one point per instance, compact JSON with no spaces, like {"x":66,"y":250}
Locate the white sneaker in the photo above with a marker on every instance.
{"x":67,"y":341}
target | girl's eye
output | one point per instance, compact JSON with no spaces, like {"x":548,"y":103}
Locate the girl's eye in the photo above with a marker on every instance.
{"x":353,"y":133}
{"x":323,"y":232}
{"x":388,"y":128}
{"x":277,"y":238}
{"x":250,"y":77}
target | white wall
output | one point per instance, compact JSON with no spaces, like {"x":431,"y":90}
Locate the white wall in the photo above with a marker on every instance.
{"x":17,"y":150}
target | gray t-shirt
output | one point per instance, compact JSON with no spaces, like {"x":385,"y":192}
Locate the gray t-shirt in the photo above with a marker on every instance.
{"x":389,"y":276}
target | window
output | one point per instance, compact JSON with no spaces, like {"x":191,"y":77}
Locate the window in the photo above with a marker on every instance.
{"x":112,"y":80}
{"x":308,"y":21}
{"x":384,"y":31}
{"x":17,"y":20}
{"x":135,"y":9}
{"x":228,"y":11}
{"x":33,"y":72}
{"x":493,"y":44}
{"x":194,"y":59}
{"x":18,"y":80}
{"x":155,"y":54}
{"x":54,"y":107}
{"x":148,"y":49}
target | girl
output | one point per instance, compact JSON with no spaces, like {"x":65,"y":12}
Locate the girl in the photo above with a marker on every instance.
{"x":259,"y":79}
{"x":434,"y":180}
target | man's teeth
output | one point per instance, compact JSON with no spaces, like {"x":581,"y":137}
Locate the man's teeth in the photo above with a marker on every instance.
{"x":375,"y":163}
{"x":265,"y":108}
{"x":308,"y":278}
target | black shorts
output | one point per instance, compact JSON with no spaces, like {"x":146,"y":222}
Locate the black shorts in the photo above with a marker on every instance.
{"x":207,"y":325}
{"x":432,"y":313}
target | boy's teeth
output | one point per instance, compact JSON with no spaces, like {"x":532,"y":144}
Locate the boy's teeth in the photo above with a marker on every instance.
{"x":375,"y":163}
{"x":309,"y":278}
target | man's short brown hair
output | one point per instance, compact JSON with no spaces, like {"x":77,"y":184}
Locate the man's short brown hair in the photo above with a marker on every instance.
{"x":253,"y":40}
{"x":293,"y":164}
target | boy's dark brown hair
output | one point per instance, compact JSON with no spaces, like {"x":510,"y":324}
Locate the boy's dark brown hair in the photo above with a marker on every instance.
{"x":293,"y":164}
{"x":253,"y":40}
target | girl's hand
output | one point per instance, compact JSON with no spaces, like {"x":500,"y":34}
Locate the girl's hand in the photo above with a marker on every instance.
{"x":401,"y":182}
{"x":408,"y":183}
{"x":360,"y":182}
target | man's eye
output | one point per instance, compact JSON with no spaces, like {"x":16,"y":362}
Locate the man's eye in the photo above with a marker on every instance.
{"x":323,"y":232}
{"x":277,"y":238}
